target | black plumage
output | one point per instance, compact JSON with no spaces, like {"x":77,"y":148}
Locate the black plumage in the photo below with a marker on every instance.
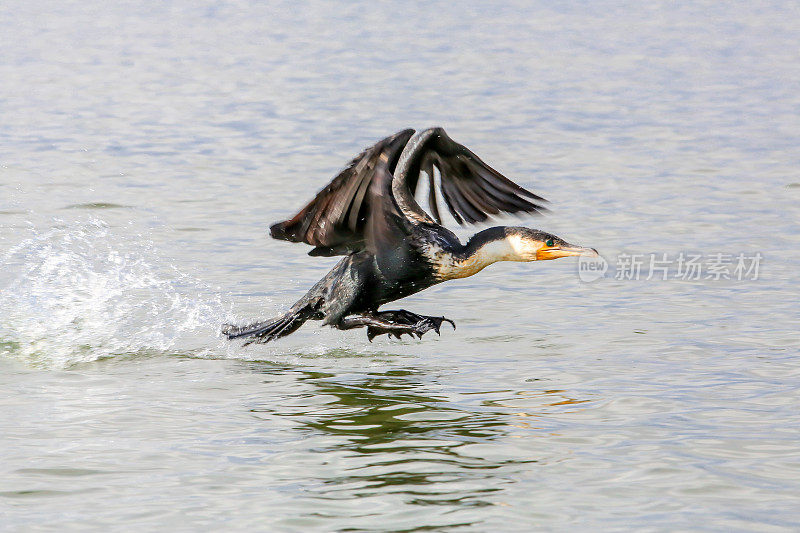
{"x":392,"y":247}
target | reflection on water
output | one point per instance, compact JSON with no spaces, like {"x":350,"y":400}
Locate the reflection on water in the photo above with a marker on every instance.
{"x":391,"y":433}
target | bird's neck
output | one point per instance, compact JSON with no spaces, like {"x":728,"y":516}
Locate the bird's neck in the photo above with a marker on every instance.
{"x":484,"y":248}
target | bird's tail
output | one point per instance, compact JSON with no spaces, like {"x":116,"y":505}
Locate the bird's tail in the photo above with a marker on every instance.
{"x":269,"y":330}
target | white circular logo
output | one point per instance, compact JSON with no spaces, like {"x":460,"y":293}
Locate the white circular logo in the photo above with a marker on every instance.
{"x":591,"y":268}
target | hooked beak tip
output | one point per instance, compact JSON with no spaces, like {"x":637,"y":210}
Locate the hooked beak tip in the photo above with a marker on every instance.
{"x":579,"y":251}
{"x":591,"y":252}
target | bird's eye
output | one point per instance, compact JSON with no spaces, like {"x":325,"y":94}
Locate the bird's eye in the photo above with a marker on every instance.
{"x":548,"y":242}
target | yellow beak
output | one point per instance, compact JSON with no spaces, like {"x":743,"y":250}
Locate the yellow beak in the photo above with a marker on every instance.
{"x":543,"y":254}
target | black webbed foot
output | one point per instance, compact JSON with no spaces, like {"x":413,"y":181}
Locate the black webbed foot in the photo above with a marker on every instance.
{"x":395,"y":323}
{"x":403,"y":321}
{"x":432,"y":323}
{"x":396,"y":330}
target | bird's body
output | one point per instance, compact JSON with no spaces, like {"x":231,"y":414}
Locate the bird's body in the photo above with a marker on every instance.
{"x":392,"y":247}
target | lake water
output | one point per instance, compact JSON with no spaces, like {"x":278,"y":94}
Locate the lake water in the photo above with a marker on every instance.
{"x":146,"y":147}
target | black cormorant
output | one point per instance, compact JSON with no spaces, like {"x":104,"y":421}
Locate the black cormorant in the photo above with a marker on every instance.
{"x":392,"y":247}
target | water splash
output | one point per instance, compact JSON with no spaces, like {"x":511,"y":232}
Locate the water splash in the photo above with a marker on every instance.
{"x":82,"y":292}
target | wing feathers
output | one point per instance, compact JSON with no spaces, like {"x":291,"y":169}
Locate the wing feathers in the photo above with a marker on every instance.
{"x":333,"y":221}
{"x":470,"y":185}
{"x":339,"y":217}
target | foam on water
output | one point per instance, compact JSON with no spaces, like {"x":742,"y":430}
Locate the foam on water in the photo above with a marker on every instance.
{"x":85,"y":291}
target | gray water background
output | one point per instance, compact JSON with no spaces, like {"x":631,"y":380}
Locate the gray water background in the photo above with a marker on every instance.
{"x":145,"y":147}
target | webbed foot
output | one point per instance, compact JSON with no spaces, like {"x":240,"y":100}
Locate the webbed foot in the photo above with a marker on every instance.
{"x":412,"y":323}
{"x":395,"y":324}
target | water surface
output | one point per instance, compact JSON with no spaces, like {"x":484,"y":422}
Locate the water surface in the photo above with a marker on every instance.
{"x":145,"y":148}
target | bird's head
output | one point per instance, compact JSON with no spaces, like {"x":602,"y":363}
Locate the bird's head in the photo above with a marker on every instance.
{"x":533,"y":245}
{"x":504,"y":243}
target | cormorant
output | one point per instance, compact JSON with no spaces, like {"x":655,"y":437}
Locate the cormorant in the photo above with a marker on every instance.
{"x":392,"y":247}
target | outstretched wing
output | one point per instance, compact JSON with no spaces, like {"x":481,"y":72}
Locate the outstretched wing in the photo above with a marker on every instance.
{"x":336,"y":221}
{"x":472,"y":190}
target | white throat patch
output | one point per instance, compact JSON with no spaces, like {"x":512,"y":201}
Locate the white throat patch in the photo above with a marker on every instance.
{"x":449,"y":266}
